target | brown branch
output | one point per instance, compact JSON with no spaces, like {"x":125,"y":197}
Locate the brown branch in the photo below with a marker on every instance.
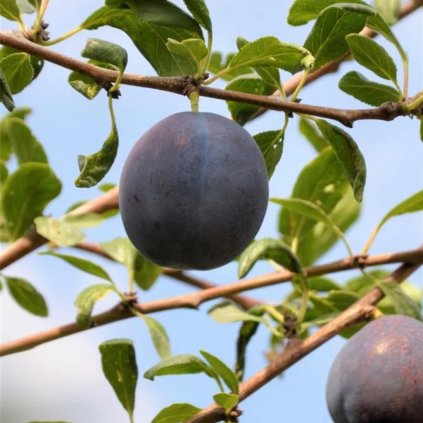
{"x":194,"y":300}
{"x":244,"y":301}
{"x":362,"y":309}
{"x":178,"y":85}
{"x":33,"y":240}
{"x":292,"y":83}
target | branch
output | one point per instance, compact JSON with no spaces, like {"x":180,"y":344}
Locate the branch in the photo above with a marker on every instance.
{"x":362,"y":309}
{"x":194,"y":300}
{"x":243,"y":301}
{"x":33,"y":240}
{"x":179,"y":85}
{"x":291,"y":84}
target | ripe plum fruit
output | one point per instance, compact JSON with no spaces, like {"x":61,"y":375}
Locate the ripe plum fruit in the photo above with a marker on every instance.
{"x":378,"y":375}
{"x":193,"y":191}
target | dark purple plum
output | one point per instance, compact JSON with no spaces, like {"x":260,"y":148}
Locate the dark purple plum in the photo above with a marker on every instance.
{"x":378,"y":375}
{"x":193,"y":191}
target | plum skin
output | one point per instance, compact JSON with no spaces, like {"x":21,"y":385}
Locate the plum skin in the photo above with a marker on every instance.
{"x":378,"y":375}
{"x":193,"y":191}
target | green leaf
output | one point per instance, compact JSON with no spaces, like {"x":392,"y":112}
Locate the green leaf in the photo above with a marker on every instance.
{"x":303,"y":11}
{"x":23,"y":143}
{"x":17,"y":70}
{"x":95,"y":166}
{"x":201,"y":14}
{"x":178,"y":365}
{"x":319,"y":283}
{"x":402,"y":303}
{"x":176,"y":413}
{"x":319,"y":239}
{"x":140,"y":269}
{"x":5,"y":94}
{"x":159,"y":337}
{"x":228,"y":312}
{"x":267,"y":249}
{"x":217,"y":63}
{"x":27,"y":296}
{"x":389,"y":9}
{"x":372,"y":56}
{"x":86,"y":300}
{"x":310,"y":132}
{"x":223,"y":371}
{"x":322,"y":182}
{"x":326,"y":41}
{"x":269,"y":51}
{"x":10,"y":10}
{"x":149,"y":24}
{"x":271,"y":146}
{"x":227,"y":401}
{"x":20,"y":113}
{"x":121,"y":250}
{"x":342,"y":299}
{"x":410,"y":205}
{"x":189,"y":54}
{"x":145,"y":272}
{"x":313,"y":212}
{"x":378,"y":24}
{"x":269,"y":74}
{"x":26,"y":193}
{"x":3,"y":173}
{"x":84,"y":84}
{"x":243,"y":112}
{"x":81,"y":264}
{"x":27,"y":6}
{"x":59,"y":232}
{"x":120,"y":368}
{"x":106,"y":52}
{"x":349,"y":155}
{"x":373,"y":93}
{"x":86,"y":220}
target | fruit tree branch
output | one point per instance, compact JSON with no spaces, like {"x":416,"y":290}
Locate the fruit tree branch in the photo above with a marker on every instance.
{"x":363,"y":309}
{"x":195,"y":299}
{"x":243,"y":301}
{"x":179,"y":85}
{"x":32,"y":240}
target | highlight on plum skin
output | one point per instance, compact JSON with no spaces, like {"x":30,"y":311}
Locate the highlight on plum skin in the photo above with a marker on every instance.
{"x":378,"y":375}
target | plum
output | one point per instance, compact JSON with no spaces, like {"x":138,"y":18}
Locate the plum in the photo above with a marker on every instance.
{"x":193,"y":191}
{"x":378,"y":375}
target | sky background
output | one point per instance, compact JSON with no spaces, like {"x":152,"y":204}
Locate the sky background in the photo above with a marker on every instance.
{"x":63,"y":380}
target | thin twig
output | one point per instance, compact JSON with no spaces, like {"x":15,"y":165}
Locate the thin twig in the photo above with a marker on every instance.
{"x":359,"y":311}
{"x":244,"y":301}
{"x":178,"y":85}
{"x":195,"y":299}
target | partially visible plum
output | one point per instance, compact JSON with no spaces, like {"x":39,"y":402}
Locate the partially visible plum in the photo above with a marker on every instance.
{"x":378,"y":375}
{"x":193,"y":191}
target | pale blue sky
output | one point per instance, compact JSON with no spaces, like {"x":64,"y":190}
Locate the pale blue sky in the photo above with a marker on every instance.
{"x":63,"y":379}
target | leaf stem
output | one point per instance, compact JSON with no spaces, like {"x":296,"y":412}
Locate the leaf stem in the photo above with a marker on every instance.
{"x":414,"y":104}
{"x":406,"y":74}
{"x":300,"y":85}
{"x":217,"y":75}
{"x":208,"y":57}
{"x":40,"y":16}
{"x":370,"y":240}
{"x":62,"y":37}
